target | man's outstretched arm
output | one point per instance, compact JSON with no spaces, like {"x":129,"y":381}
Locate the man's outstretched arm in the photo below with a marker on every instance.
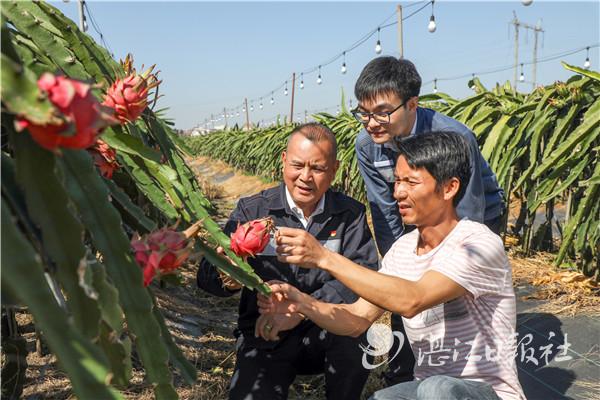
{"x":340,"y":319}
{"x":407,"y":298}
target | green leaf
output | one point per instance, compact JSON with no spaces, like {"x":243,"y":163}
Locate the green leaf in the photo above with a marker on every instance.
{"x":129,"y":144}
{"x":62,"y":233}
{"x":187,"y":370}
{"x":21,"y":95}
{"x":118,"y":352}
{"x":22,"y":14}
{"x":23,"y":278}
{"x":590,"y":198}
{"x":585,"y":72}
{"x":147,"y":186}
{"x":137,"y":216}
{"x":500,"y":128}
{"x":591,"y":120}
{"x":105,"y":226}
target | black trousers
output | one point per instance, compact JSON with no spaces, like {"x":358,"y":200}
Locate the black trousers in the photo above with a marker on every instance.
{"x":400,"y":368}
{"x":266,"y":374}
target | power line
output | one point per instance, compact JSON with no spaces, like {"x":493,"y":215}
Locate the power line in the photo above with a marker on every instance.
{"x":507,"y":67}
{"x":352,"y":47}
{"x":97,"y":28}
{"x":548,"y":58}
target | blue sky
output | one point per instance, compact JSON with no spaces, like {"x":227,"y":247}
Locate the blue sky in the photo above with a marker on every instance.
{"x":211,"y":55}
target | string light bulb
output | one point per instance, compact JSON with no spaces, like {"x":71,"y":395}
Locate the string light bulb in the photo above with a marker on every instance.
{"x":522,"y":77}
{"x":435,"y":89}
{"x":260,"y":105}
{"x":251,"y":107}
{"x":526,"y":3}
{"x":343,"y":70}
{"x":431,"y":27}
{"x":272,"y":99}
{"x":378,"y":45}
{"x":587,"y":64}
{"x":319,"y":79}
{"x":302,"y":80}
{"x":285,"y":91}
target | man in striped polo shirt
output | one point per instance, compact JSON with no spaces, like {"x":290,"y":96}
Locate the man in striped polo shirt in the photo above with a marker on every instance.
{"x":449,"y":279}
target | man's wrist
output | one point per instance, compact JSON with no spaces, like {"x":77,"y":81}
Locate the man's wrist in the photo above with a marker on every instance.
{"x":305,"y":306}
{"x":326,"y":261}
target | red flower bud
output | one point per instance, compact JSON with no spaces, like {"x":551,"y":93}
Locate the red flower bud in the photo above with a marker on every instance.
{"x":105,"y":158}
{"x":252,"y":237}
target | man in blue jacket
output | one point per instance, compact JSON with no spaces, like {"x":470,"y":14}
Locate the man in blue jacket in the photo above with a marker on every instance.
{"x":387,"y":91}
{"x":265,"y":369}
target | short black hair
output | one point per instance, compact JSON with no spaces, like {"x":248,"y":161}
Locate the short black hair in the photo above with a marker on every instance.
{"x":384,"y":75}
{"x":444,"y":155}
{"x":315,"y":132}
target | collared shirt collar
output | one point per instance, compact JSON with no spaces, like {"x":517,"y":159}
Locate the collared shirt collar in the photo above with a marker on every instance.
{"x":393,"y":144}
{"x":298,"y":211}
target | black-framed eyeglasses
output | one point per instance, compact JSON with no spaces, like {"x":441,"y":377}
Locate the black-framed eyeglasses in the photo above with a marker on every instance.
{"x":382,"y":117}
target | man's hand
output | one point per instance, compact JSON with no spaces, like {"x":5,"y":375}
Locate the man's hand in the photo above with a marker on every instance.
{"x":296,"y":246}
{"x":278,"y":311}
{"x":228,"y":282}
{"x":268,"y":326}
{"x":284,"y":299}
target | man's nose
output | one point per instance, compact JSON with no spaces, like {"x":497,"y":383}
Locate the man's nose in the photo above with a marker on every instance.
{"x":399,"y":191}
{"x":372,"y":123}
{"x":305,"y":173}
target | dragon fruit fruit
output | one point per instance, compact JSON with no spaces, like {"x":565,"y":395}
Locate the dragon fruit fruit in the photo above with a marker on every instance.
{"x":252,"y":237}
{"x":80,"y":120}
{"x":163,"y":251}
{"x":128,"y":97}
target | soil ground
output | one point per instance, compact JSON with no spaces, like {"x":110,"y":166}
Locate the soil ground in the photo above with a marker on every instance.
{"x":202,"y":325}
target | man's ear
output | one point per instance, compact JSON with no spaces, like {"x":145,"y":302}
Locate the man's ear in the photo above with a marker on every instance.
{"x":451,"y":188}
{"x":283,"y":156}
{"x":413,"y":102}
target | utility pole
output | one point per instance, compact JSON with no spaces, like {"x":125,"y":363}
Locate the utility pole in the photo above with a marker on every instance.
{"x":536,"y":29}
{"x":400,"y":44}
{"x":247,"y":117}
{"x":225,"y":116}
{"x":516,"y":23}
{"x":82,"y":24}
{"x":292,"y":107}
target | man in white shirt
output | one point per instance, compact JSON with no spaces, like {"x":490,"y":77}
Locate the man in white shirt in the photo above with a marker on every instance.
{"x":450,"y":280}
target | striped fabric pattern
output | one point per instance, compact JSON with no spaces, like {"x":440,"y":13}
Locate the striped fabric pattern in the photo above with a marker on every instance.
{"x":472,"y":337}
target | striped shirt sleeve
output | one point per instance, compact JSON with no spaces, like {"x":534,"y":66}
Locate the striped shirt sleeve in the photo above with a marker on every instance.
{"x":479,"y":264}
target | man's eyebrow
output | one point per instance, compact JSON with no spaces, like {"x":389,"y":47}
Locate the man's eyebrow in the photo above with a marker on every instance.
{"x":378,"y":106}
